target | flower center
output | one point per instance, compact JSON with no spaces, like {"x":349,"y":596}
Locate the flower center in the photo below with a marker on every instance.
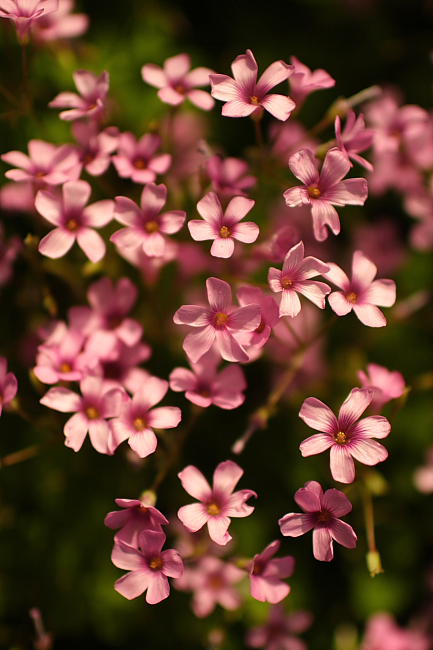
{"x":40,"y":174}
{"x":324,"y":516}
{"x":255,"y":100}
{"x":351,"y":297}
{"x":93,"y":106}
{"x":92,"y":413}
{"x":261,"y":327}
{"x":151,"y":226}
{"x":155,"y":564}
{"x":180,"y":89}
{"x":340,"y":438}
{"x":139,"y":424}
{"x":71,"y":225}
{"x":65,"y":367}
{"x":257,"y":568}
{"x":142,"y":510}
{"x":221,"y":319}
{"x":313,"y":191}
{"x":88,"y":158}
{"x":204,"y":392}
{"x":286,"y":283}
{"x":215,"y":582}
{"x":213,"y":509}
{"x":139,"y":163}
{"x":224,"y":232}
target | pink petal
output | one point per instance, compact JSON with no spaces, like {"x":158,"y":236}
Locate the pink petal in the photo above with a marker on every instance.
{"x":91,"y":243}
{"x":201,"y":231}
{"x":193,"y":516}
{"x":342,"y":465}
{"x":274,"y":279}
{"x":278,"y":106}
{"x":226,"y":477}
{"x":375,"y":426}
{"x":192,"y":315}
{"x":318,"y":416}
{"x":217,"y":527}
{"x":173,"y":564}
{"x":209,"y":207}
{"x":75,"y":431}
{"x":309,"y":500}
{"x":294,"y":524}
{"x":238,"y":208}
{"x":314,"y":291}
{"x":224,"y":87}
{"x":343,"y":534}
{"x":339,"y":303}
{"x":169,"y":95}
{"x":296,"y":196}
{"x":100,"y":213}
{"x":158,"y":589}
{"x":335,"y":167}
{"x":222,"y":248}
{"x":316,"y":444}
{"x":337,"y":276}
{"x":56,"y":243}
{"x":154,"y":75}
{"x":132,"y":584}
{"x":269,"y":590}
{"x":353,"y":407}
{"x":197,"y":343}
{"x":368,"y":452}
{"x":304,"y":166}
{"x":195,"y":483}
{"x":153,"y":199}
{"x":154,"y":245}
{"x":165,"y":417}
{"x":238,"y":108}
{"x":171,"y":222}
{"x":126,"y":211}
{"x":324,"y":215}
{"x":143,"y":442}
{"x":99,"y":433}
{"x":201,"y":99}
{"x":126,"y":557}
{"x":275,"y":74}
{"x":61,"y":399}
{"x":322,"y":545}
{"x":336,"y":503}
{"x":49,"y":207}
{"x":182,"y":379}
{"x":353,"y":191}
{"x":229,"y":347}
{"x":290,"y":304}
{"x":381,"y":293}
{"x":244,"y":69}
{"x":246,"y":232}
{"x":363,"y":270}
{"x":75,"y":195}
{"x":219,"y":294}
{"x":246,"y":318}
{"x":370,"y":315}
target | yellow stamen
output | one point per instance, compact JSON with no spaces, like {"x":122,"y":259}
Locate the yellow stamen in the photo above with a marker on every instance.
{"x":213,"y":509}
{"x":313,"y":191}
{"x":255,"y":100}
{"x":340,"y":438}
{"x":224,"y":232}
{"x":221,"y":319}
{"x":351,"y":297}
{"x":151,"y":226}
{"x":92,"y":413}
{"x":156,"y":564}
{"x":139,"y":424}
{"x":71,"y":225}
{"x":139,"y":163}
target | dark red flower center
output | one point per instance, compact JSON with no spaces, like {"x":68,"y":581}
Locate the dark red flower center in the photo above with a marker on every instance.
{"x":155,"y":564}
{"x":324,"y":517}
{"x":286,"y":283}
{"x":71,"y":225}
{"x":151,"y":226}
{"x":139,"y":424}
{"x":139,"y":163}
{"x":92,"y":413}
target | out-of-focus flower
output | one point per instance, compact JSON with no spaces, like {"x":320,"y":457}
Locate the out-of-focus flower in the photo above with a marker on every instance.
{"x":46,"y":163}
{"x":176,"y":81}
{"x":386,"y":385}
{"x":137,"y":160}
{"x":322,"y":515}
{"x":96,"y":146}
{"x":303,"y":81}
{"x":90,"y":102}
{"x":136,"y":517}
{"x":279,"y":630}
{"x":354,"y":138}
{"x":383,"y":633}
{"x":229,"y":175}
{"x":25,"y":12}
{"x":61,"y":24}
{"x":245,"y":95}
{"x":423,"y":476}
{"x":269,"y":314}
{"x":8,"y":384}
{"x":267,"y":572}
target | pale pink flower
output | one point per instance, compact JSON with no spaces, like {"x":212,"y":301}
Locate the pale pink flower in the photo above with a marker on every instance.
{"x":295,"y":278}
{"x":423,"y":476}
{"x":96,"y":146}
{"x":245,"y":95}
{"x":138,"y":160}
{"x":91,"y":411}
{"x":61,"y":24}
{"x":176,"y":81}
{"x":325,"y":189}
{"x":205,"y":386}
{"x":8,"y":384}
{"x":386,"y":385}
{"x":354,"y":138}
{"x":148,"y":568}
{"x":24,"y":12}
{"x":212,"y":582}
{"x":138,"y":418}
{"x":362,"y":293}
{"x":383,"y":633}
{"x":347,"y":437}
{"x":269,"y":315}
{"x":136,"y":517}
{"x":145,"y":227}
{"x":419,"y":204}
{"x":223,"y":228}
{"x":90,"y":102}
{"x":59,"y":358}
{"x":266,"y":575}
{"x":322,"y":515}
{"x":217,"y":504}
{"x":122,"y":368}
{"x":74,"y":220}
{"x":303,"y":81}
{"x":217,"y":323}
{"x":279,"y":630}
{"x":229,"y":175}
{"x":46,"y":163}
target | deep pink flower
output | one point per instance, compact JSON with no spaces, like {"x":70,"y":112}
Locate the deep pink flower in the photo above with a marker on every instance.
{"x":60,"y":24}
{"x":90,"y":101}
{"x":145,"y":227}
{"x":386,"y":385}
{"x":92,"y":409}
{"x":383,"y":633}
{"x":136,"y":517}
{"x":46,"y":163}
{"x":245,"y":95}
{"x":266,"y":574}
{"x":8,"y":384}
{"x":74,"y":220}
{"x":354,"y":138}
{"x":362,"y":293}
{"x":229,"y":175}
{"x":325,"y":189}
{"x":269,"y":315}
{"x":138,"y":160}
{"x":303,"y":81}
{"x":176,"y":81}
{"x":217,"y":504}
{"x":148,"y":568}
{"x":346,"y":437}
{"x":279,"y":630}
{"x":138,"y":418}
{"x":295,"y":278}
{"x":24,"y":12}
{"x":223,"y":228}
{"x":96,"y":146}
{"x":322,"y":512}
{"x":217,"y":323}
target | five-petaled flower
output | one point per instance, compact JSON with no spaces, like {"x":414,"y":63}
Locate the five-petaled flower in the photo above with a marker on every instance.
{"x":321,"y":515}
{"x":324,"y":189}
{"x":266,"y":573}
{"x":24,"y":12}
{"x":345,"y":436}
{"x":90,"y":102}
{"x":245,"y":95}
{"x":217,"y":504}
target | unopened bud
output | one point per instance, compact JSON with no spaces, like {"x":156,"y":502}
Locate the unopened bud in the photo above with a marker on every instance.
{"x":374,"y":563}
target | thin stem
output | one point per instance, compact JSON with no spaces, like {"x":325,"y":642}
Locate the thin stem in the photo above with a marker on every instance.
{"x":19,"y":456}
{"x":27,"y":96}
{"x":259,"y":134}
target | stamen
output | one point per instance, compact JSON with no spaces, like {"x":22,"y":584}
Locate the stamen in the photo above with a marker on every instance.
{"x":180,"y":89}
{"x":213,"y":509}
{"x":340,"y":438}
{"x":71,"y":225}
{"x":65,"y":367}
{"x":139,"y":163}
{"x":286,"y":283}
{"x":155,"y":564}
{"x":151,"y":226}
{"x":139,"y":424}
{"x":224,"y":232}
{"x":221,"y":319}
{"x":352,"y":297}
{"x":255,"y":100}
{"x":92,"y":413}
{"x":324,"y":516}
{"x":313,"y":192}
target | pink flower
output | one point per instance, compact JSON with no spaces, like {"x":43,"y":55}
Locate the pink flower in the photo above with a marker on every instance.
{"x":92,"y":409}
{"x":90,"y":101}
{"x":137,"y":418}
{"x":217,"y":504}
{"x":212,"y":582}
{"x":383,"y":633}
{"x":295,"y":278}
{"x":386,"y":385}
{"x":59,"y":358}
{"x":322,"y":512}
{"x":347,"y":437}
{"x":61,"y":24}
{"x":244,"y":95}
{"x":354,"y":138}
{"x":137,"y":160}
{"x":362,"y":293}
{"x":8,"y":384}
{"x":229,"y":175}
{"x":269,"y":314}
{"x":176,"y":81}
{"x":146,"y":227}
{"x":303,"y":81}
{"x":148,"y":568}
{"x":325,"y":189}
{"x":136,"y":517}
{"x":223,"y":228}
{"x":24,"y":12}
{"x":74,"y":220}
{"x":96,"y":146}
{"x":266,"y":573}
{"x":423,"y":476}
{"x":45,"y":163}
{"x":278,"y":632}
{"x":217,"y":323}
